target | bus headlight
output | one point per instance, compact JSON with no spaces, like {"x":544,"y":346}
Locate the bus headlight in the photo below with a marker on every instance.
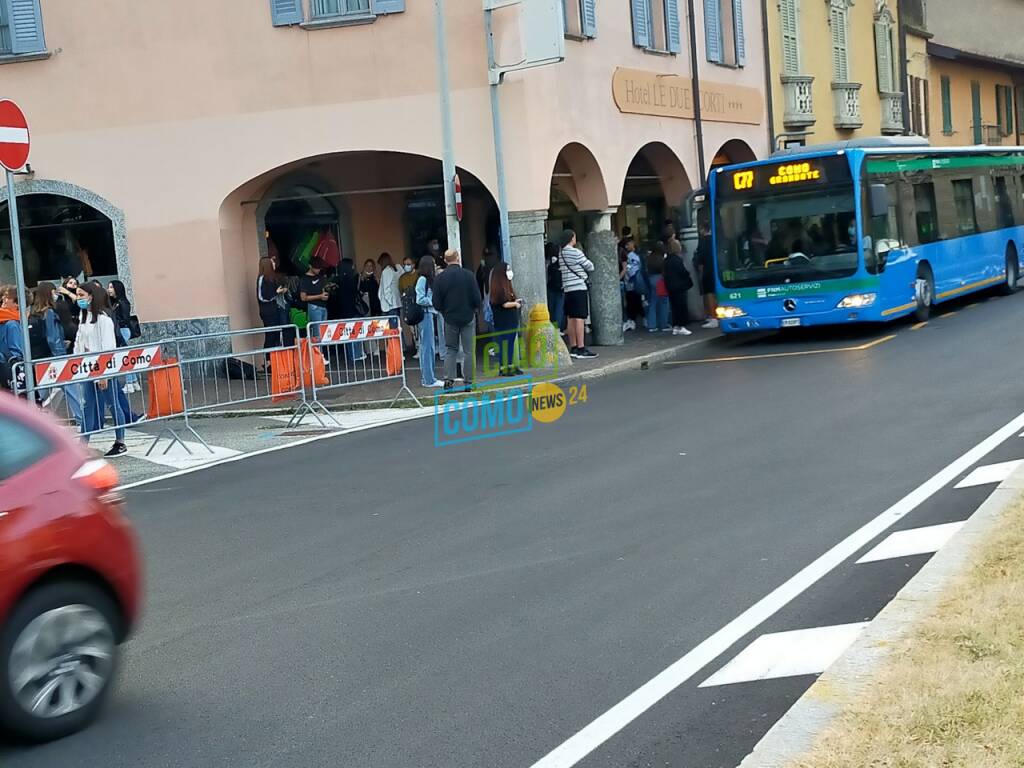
{"x":857,"y":300}
{"x":724,"y":313}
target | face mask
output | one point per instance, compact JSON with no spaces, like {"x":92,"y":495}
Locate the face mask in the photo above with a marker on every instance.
{"x":406,"y":268}
{"x":852,"y":231}
{"x":511,"y":274}
{"x":83,"y":303}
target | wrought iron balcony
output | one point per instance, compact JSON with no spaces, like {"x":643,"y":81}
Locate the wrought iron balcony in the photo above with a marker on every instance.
{"x":846,"y":99}
{"x":799,"y":101}
{"x":892,"y":113}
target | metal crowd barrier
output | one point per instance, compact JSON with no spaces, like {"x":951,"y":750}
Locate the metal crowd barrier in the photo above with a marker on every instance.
{"x":347,"y":353}
{"x":216,"y":377}
{"x":139,"y":384}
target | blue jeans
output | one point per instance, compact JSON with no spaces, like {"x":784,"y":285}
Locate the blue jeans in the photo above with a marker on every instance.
{"x":657,"y":307}
{"x":556,"y":308}
{"x":96,"y":403}
{"x":73,"y":395}
{"x":316,"y":315}
{"x":427,"y":350}
{"x":127,"y":336}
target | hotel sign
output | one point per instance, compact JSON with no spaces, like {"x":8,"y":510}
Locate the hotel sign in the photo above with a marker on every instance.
{"x":639,"y":92}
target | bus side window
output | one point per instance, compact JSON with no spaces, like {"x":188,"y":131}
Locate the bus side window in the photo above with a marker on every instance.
{"x":885,"y":226}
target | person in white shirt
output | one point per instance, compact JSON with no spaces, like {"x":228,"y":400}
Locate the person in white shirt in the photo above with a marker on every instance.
{"x":96,"y":334}
{"x":388,"y":293}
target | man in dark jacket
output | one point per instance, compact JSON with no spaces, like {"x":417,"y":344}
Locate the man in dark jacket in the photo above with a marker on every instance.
{"x":457,"y":298}
{"x":677,"y":283}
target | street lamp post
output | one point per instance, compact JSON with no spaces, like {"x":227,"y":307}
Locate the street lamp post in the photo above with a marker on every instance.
{"x":448,"y":154}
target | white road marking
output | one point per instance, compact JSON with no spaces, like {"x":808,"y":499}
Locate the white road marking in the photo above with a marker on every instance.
{"x":990,"y":473}
{"x":351,"y":419}
{"x":787,"y":654}
{"x":643,"y":698}
{"x":916,"y":541}
{"x":176,"y":457}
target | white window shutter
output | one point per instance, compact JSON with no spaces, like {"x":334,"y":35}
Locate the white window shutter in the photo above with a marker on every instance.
{"x":883,"y":55}
{"x":641,"y":24}
{"x":672,"y":32}
{"x":790,"y":37}
{"x":713,"y":31}
{"x":840,"y":55}
{"x":737,"y":26}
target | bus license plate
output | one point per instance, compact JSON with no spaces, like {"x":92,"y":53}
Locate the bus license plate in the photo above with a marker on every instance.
{"x":789,"y":322}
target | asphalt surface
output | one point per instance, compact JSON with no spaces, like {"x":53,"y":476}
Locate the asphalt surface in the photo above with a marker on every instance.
{"x":372,"y":600}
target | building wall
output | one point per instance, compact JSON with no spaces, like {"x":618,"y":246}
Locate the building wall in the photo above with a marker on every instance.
{"x":816,"y":61}
{"x":991,"y":28}
{"x":961,"y":76}
{"x":181,"y":114}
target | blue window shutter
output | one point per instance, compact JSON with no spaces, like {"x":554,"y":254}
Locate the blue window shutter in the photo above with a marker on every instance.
{"x":589,"y":8}
{"x":381,"y":7}
{"x":672,"y":35}
{"x":25,"y":22}
{"x":737,"y":25}
{"x":713,"y":30}
{"x":285,"y":12}
{"x":641,"y":24}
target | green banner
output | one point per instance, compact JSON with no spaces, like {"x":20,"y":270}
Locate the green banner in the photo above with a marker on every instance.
{"x":936,"y":162}
{"x":799,"y":289}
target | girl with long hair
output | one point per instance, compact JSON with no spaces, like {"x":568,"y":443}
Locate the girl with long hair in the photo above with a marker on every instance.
{"x":271,"y":288}
{"x":425,"y":298}
{"x":97,"y":333}
{"x":505,"y":307}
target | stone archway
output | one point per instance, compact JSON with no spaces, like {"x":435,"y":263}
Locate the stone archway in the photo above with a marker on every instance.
{"x":733,"y":151}
{"x":655,"y":186}
{"x":87,"y":197}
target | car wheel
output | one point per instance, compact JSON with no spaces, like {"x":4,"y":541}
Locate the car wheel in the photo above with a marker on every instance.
{"x":1012,"y":274}
{"x":924,"y":294}
{"x":58,"y":658}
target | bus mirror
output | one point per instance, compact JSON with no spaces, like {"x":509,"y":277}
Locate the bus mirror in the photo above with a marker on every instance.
{"x":878,"y":200}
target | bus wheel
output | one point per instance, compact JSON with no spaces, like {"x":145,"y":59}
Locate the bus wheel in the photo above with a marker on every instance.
{"x":1012,"y":272}
{"x":924,"y":294}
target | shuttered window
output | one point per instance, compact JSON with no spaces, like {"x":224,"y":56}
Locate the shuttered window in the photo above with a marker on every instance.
{"x":21,"y":27}
{"x":788,"y":13}
{"x":838,"y":11}
{"x":288,"y":12}
{"x":740,"y":42}
{"x":713,"y":30}
{"x":724,"y":37}
{"x":641,"y":23}
{"x":580,"y":18}
{"x":656,"y":25}
{"x":947,"y":106}
{"x":883,"y":55}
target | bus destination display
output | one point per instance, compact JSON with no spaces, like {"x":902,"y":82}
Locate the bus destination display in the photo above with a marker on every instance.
{"x":795,"y":175}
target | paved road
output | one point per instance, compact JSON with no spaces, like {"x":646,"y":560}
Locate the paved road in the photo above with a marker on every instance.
{"x":374,"y":601}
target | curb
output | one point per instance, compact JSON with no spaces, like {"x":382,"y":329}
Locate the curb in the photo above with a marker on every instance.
{"x":639,"y":362}
{"x":853,"y":675}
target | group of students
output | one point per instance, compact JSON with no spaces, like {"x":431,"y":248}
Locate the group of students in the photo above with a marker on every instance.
{"x":655,"y":287}
{"x":80,"y":318}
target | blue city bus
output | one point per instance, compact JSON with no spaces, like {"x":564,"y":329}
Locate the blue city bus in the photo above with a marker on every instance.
{"x":865,"y":231}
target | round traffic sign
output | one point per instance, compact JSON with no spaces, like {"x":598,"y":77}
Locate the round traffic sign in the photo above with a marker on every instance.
{"x":14,"y":139}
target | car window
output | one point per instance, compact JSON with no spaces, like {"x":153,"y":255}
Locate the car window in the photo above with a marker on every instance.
{"x":20,"y":447}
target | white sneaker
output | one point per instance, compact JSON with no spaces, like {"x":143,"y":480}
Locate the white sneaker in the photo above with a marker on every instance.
{"x":711,"y":323}
{"x":436,"y":385}
{"x":416,"y":356}
{"x":681,"y":331}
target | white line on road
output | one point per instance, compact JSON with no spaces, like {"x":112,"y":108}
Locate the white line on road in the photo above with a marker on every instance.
{"x":643,"y":698}
{"x":990,"y":473}
{"x":787,"y":654}
{"x":916,"y":541}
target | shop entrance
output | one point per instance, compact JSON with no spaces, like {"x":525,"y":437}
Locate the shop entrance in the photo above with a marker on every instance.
{"x":295,"y":222}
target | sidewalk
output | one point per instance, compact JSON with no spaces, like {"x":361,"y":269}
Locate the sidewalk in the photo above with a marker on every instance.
{"x":639,"y":348}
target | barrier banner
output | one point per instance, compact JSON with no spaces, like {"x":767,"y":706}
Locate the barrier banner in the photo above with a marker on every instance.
{"x":88,"y":367}
{"x":356,"y":330}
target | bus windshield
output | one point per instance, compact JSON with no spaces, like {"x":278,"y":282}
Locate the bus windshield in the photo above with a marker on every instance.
{"x":787,"y":235}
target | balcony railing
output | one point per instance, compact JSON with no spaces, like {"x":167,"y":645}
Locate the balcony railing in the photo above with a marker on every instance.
{"x":892,"y":113}
{"x":796,"y":90}
{"x":846,"y":99}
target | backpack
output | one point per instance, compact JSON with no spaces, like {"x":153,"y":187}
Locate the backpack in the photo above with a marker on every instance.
{"x":554,"y":274}
{"x":412,"y":313}
{"x":38,"y":342}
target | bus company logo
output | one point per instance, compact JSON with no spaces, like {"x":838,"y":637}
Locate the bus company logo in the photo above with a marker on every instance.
{"x":762,"y":293}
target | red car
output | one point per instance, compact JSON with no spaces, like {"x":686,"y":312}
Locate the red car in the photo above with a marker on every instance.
{"x":70,"y":576}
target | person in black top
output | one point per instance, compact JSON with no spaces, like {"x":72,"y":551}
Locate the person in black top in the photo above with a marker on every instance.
{"x":122,"y":311}
{"x":677,"y":283}
{"x":343,"y":303}
{"x":313,"y":292}
{"x":67,"y":309}
{"x":505,"y":306}
{"x":369,"y":287}
{"x":703,"y":259}
{"x":457,"y":298}
{"x":270,"y":290}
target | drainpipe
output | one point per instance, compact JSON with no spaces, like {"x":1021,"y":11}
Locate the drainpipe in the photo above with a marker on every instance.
{"x":905,"y":81}
{"x":695,"y":79}
{"x":769,"y":96}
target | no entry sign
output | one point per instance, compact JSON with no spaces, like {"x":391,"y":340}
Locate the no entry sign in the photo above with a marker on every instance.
{"x":14,"y":139}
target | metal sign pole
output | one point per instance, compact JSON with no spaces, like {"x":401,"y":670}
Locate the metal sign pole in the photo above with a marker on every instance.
{"x":19,"y":279}
{"x":448,"y":152}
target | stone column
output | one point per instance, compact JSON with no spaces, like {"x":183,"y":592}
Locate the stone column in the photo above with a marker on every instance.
{"x":605,"y":297}
{"x":694,"y":301}
{"x":526,"y":233}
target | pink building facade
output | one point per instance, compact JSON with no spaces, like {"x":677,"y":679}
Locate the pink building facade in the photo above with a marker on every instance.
{"x":173,"y":143}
